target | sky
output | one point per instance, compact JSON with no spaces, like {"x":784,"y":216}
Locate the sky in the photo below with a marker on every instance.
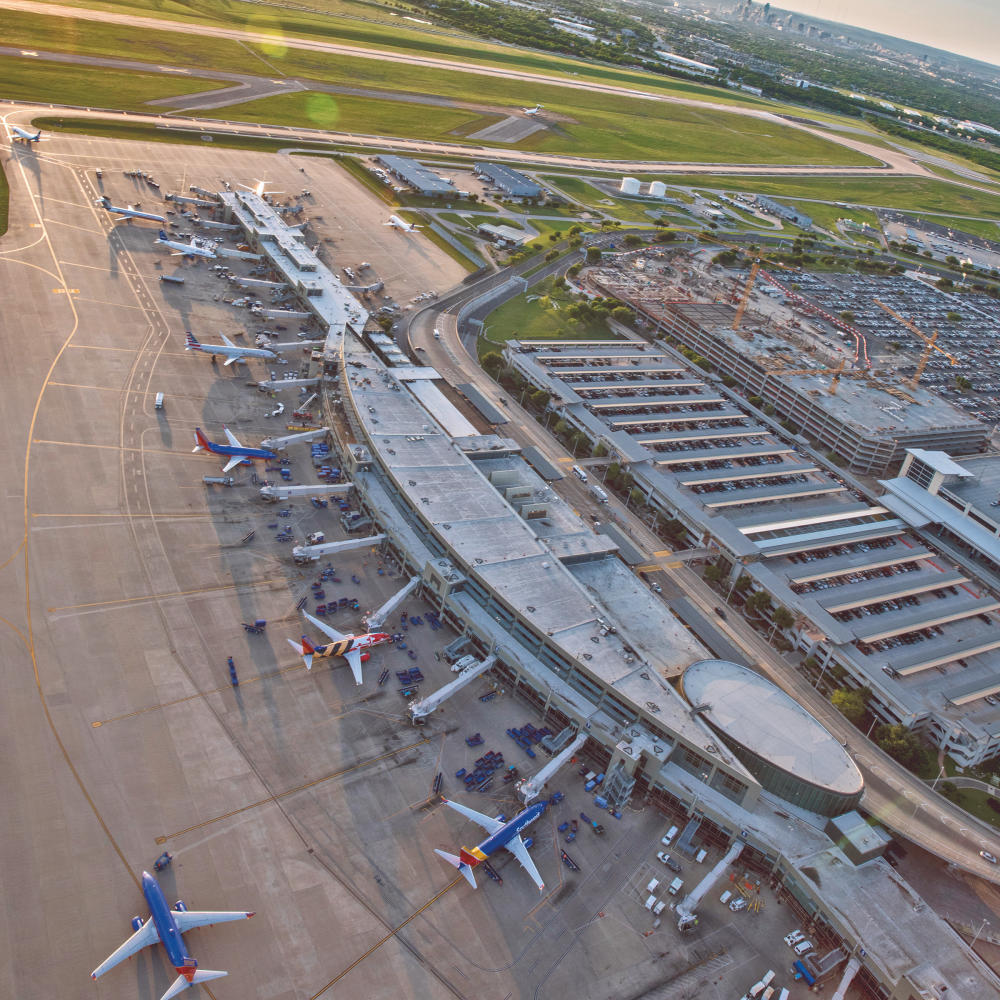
{"x":968,"y":27}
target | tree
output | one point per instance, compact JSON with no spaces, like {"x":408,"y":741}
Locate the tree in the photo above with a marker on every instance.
{"x":962,"y":383}
{"x":622,"y":313}
{"x":493,"y":363}
{"x":600,"y":450}
{"x":783,"y":618}
{"x":850,"y":704}
{"x":757,"y":601}
{"x":847,"y":316}
{"x":593,"y":255}
{"x":637,"y":497}
{"x":954,"y":317}
{"x":902,"y":745}
{"x":632,"y":240}
{"x":614,"y":472}
{"x":713,"y":573}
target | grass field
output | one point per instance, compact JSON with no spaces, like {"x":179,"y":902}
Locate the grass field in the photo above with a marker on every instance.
{"x":521,"y":319}
{"x":341,"y":113}
{"x":594,"y":198}
{"x":31,"y":80}
{"x":372,"y":25}
{"x":913,"y":193}
{"x":604,"y":124}
{"x":974,"y":227}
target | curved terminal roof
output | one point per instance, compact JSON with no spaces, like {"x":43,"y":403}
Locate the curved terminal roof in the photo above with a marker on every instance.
{"x":755,"y":713}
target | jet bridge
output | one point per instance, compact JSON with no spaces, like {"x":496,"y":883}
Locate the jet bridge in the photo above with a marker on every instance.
{"x":686,"y":919}
{"x":531,"y":789}
{"x":280,"y":443}
{"x":376,"y":618}
{"x":281,"y":492}
{"x":426,"y":706}
{"x":852,"y":968}
{"x":312,"y":553}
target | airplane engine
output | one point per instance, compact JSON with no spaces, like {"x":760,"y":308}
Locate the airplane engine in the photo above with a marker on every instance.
{"x":136,"y":923}
{"x":180,"y":906}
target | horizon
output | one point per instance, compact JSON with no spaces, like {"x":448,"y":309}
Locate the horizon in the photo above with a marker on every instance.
{"x":967,"y":28}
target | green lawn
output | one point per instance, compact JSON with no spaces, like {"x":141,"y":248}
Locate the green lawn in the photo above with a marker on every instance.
{"x":594,"y":199}
{"x":975,"y":227}
{"x":521,"y":319}
{"x":33,"y":80}
{"x":342,"y":113}
{"x":915,"y":194}
{"x":602,"y":124}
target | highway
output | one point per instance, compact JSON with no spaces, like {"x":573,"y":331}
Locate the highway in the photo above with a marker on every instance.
{"x":896,"y":797}
{"x":886,"y":160}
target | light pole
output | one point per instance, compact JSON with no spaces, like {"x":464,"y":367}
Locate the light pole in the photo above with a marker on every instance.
{"x":980,"y":931}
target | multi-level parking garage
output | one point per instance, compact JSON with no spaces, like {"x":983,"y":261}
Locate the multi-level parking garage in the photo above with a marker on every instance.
{"x":869,"y":596}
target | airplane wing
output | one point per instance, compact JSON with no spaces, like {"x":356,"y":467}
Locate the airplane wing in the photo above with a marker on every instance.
{"x":517,"y":848}
{"x":488,"y":823}
{"x":142,"y":938}
{"x":232,"y":438}
{"x":187,"y":920}
{"x":231,"y":360}
{"x":229,"y":343}
{"x":329,"y":632}
{"x":233,"y":462}
{"x":353,"y":657}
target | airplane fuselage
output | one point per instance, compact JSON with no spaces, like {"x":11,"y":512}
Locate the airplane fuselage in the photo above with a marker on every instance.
{"x":130,"y":213}
{"x":188,"y":249}
{"x":343,"y":646}
{"x":503,"y":836}
{"x":166,"y":926}
{"x":232,"y":352}
{"x":231,"y":450}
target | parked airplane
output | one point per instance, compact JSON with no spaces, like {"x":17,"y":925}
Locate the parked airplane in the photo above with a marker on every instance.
{"x":24,"y":135}
{"x":259,"y":188}
{"x":230,"y":351}
{"x":397,"y":223}
{"x":129,"y":213}
{"x":187,"y":249}
{"x":236,"y":452}
{"x":501,"y":834}
{"x":351,"y":647}
{"x":532,"y":111}
{"x":167,"y":926}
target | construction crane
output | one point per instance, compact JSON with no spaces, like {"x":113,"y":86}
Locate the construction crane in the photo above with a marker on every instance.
{"x":930,"y":344}
{"x":741,"y":308}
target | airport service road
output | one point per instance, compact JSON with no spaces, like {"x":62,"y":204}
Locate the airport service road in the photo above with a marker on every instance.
{"x":899,"y":799}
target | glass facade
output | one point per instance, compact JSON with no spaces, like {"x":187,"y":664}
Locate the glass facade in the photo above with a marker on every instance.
{"x":792,"y":788}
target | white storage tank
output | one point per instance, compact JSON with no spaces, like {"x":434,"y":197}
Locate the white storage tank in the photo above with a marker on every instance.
{"x":657,"y":189}
{"x":629,"y":185}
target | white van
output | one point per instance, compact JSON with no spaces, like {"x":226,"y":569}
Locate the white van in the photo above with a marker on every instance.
{"x":783,"y":995}
{"x":650,"y":902}
{"x":579,"y":473}
{"x":653,"y":883}
{"x":700,"y":858}
{"x":768,"y":977}
{"x":803,"y":946}
{"x":158,"y":402}
{"x":725,"y":897}
{"x":675,"y":886}
{"x":668,"y":838}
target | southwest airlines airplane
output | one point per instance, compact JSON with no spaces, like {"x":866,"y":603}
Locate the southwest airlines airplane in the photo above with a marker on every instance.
{"x":166,"y":925}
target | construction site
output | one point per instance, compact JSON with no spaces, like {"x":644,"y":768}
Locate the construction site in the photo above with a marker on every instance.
{"x":839,"y":364}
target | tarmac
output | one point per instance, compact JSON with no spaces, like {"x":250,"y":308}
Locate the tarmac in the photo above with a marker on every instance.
{"x":296,"y":794}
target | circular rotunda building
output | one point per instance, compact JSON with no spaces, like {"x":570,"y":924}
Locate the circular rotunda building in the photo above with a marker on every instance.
{"x":777,"y":740}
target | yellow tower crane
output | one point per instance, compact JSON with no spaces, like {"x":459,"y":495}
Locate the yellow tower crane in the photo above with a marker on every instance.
{"x":741,"y":308}
{"x":930,"y":344}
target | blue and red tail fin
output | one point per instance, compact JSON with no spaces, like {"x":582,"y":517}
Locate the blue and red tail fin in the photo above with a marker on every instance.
{"x":203,"y":444}
{"x":464,"y":869}
{"x":191,"y":342}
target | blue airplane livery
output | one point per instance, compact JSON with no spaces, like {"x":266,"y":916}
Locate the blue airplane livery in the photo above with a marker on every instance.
{"x":166,"y":925}
{"x":236,"y":452}
{"x":502,"y":834}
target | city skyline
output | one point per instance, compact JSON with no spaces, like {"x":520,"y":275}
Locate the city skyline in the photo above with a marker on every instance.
{"x":966,"y":27}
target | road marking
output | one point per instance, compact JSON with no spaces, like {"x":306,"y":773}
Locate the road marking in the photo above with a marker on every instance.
{"x":291,"y":791}
{"x":68,"y":291}
{"x":170,"y":593}
{"x":662,"y":553}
